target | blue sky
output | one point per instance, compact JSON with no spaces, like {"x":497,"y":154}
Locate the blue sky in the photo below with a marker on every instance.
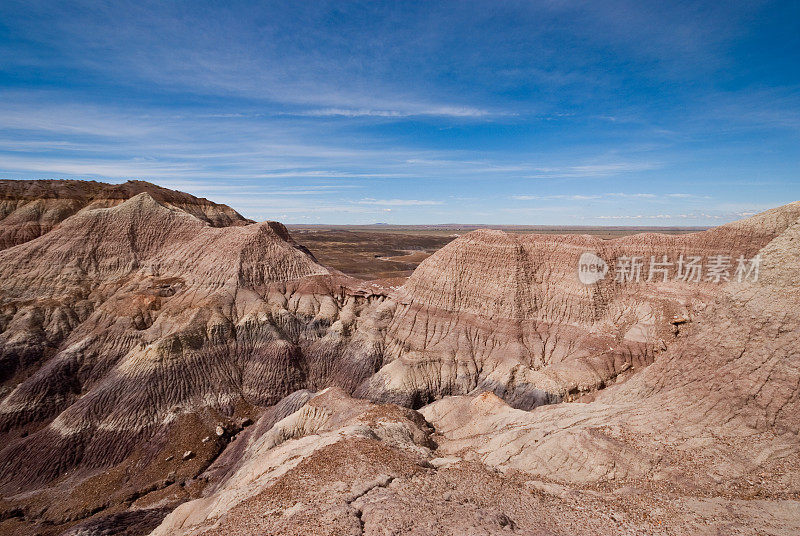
{"x":553,"y":112}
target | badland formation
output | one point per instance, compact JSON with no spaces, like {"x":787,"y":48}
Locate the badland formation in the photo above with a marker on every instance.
{"x":169,"y":367}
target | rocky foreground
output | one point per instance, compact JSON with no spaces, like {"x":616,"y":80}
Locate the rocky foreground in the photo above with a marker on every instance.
{"x":168,"y":366}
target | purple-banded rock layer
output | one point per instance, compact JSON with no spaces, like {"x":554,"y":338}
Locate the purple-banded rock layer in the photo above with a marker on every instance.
{"x":132,"y":331}
{"x":31,"y":208}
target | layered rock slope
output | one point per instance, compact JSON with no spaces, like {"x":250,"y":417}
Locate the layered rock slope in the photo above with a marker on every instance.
{"x":507,"y":313}
{"x":716,"y":415}
{"x":142,"y":332}
{"x":29,"y":209}
{"x":129,"y":331}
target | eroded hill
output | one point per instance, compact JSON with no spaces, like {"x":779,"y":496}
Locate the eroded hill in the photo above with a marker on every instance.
{"x":29,"y":209}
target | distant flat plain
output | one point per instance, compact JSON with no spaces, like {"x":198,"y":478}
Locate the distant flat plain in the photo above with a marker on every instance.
{"x":382,"y":251}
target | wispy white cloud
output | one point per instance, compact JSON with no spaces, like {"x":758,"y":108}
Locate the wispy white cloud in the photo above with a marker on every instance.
{"x":328,"y":174}
{"x":688,"y":196}
{"x":116,"y":169}
{"x":246,"y":191}
{"x":589,"y":197}
{"x":409,"y":111}
{"x":576,"y":197}
{"x":527,"y":170}
{"x":398,"y":202}
{"x":632,"y":195}
{"x":690,"y":216}
{"x":592,"y":170}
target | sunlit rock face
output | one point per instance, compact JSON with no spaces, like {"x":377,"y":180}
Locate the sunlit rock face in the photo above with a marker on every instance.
{"x":29,"y":209}
{"x":509,"y":314}
{"x":718,"y":407}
